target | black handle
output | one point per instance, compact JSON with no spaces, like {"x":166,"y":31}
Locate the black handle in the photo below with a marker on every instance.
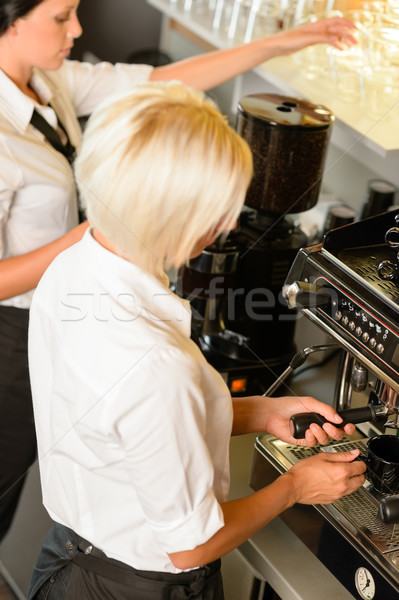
{"x":389,"y":509}
{"x":306,"y":295}
{"x":300,"y":423}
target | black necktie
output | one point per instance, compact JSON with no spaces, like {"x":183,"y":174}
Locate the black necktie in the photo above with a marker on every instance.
{"x":52,"y":135}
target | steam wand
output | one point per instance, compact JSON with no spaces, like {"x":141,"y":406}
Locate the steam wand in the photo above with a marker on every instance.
{"x":297,"y":361}
{"x":300,"y":422}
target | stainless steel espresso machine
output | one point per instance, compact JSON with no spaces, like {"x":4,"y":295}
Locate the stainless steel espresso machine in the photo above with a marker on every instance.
{"x":349,"y":287}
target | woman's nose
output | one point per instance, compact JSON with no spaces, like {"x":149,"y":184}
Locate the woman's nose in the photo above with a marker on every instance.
{"x":75,"y":30}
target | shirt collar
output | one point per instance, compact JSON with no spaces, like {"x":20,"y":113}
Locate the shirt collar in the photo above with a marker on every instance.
{"x":16,"y":106}
{"x":157,"y":301}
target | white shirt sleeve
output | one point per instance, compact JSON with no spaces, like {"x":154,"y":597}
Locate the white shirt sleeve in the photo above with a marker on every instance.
{"x":172,"y":471}
{"x":91,"y":84}
{"x":11,"y":179}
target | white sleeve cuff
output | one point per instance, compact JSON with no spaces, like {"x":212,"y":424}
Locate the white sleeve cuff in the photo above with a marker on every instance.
{"x":197,"y":529}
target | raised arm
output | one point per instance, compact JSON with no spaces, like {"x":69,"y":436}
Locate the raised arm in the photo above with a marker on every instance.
{"x":208,"y":70}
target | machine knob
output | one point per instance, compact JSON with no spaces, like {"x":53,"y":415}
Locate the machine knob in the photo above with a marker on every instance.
{"x":392,"y":237}
{"x":305,"y":295}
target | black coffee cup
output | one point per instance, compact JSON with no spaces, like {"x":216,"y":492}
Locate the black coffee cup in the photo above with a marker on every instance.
{"x":382,"y":460}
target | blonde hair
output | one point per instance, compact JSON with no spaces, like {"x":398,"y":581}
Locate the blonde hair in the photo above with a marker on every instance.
{"x":157,"y":170}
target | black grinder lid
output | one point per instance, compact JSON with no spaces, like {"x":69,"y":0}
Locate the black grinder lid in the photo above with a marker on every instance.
{"x":273,"y":110}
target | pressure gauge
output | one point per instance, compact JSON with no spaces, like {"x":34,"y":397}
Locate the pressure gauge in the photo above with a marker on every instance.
{"x":365,"y":583}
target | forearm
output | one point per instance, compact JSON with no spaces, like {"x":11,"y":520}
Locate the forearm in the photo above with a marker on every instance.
{"x":250,"y":414}
{"x":242,"y":517}
{"x":319,"y":479}
{"x":22,"y":273}
{"x":208,"y":70}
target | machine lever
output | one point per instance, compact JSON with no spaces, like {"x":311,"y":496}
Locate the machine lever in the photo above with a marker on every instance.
{"x":305,"y":295}
{"x":300,"y":422}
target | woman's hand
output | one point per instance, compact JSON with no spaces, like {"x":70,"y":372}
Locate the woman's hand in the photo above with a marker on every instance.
{"x":335,"y":31}
{"x":320,"y":479}
{"x":208,"y":70}
{"x":325,"y":477}
{"x":280,"y":410}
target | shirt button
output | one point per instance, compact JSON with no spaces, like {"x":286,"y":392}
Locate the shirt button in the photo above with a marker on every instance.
{"x":69,"y":545}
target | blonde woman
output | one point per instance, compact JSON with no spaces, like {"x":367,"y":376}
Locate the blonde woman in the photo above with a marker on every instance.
{"x":133,"y":424}
{"x":41,"y":97}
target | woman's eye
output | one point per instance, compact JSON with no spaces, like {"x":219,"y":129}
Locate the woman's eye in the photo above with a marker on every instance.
{"x":62,"y":19}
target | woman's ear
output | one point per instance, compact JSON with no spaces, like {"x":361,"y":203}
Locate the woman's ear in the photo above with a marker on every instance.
{"x":13,"y":29}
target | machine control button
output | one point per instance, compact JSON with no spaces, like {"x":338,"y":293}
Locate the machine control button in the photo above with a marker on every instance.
{"x":345,"y":320}
{"x":380,"y":348}
{"x":373,"y":343}
{"x":358,"y":331}
{"x":338,"y":315}
{"x":352,"y":325}
{"x":365,"y":337}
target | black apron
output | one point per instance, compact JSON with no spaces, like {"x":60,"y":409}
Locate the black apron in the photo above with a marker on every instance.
{"x":70,"y":568}
{"x":17,"y":430}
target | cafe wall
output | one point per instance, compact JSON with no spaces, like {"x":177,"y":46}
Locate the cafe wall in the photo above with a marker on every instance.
{"x":114,"y":29}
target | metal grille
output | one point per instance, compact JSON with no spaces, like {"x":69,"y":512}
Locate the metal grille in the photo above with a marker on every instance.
{"x":294,"y":453}
{"x":359,"y":508}
{"x":362,"y":262}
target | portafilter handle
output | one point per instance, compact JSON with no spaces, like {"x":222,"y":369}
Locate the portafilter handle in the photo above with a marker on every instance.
{"x":300,"y":422}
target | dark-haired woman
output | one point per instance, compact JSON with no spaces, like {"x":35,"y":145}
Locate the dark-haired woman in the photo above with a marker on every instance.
{"x":42,"y":95}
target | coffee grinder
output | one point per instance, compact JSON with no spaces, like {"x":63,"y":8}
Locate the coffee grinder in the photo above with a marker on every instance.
{"x":240,"y":319}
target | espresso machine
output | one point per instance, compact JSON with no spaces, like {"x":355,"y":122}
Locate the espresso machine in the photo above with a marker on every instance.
{"x":240,"y":319}
{"x":349,"y":287}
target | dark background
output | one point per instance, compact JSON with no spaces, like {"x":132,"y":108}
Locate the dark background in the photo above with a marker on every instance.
{"x":114,"y":29}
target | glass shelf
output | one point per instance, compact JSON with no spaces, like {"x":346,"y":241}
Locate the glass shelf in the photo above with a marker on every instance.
{"x":353,"y":126}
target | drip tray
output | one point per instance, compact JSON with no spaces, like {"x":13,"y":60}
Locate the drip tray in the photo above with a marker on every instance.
{"x":361,"y":508}
{"x":355,"y":515}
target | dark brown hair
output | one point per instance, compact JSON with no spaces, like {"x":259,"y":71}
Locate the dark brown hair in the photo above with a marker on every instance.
{"x":11,"y":10}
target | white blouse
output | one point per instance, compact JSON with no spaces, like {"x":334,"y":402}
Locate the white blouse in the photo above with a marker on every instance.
{"x":37,"y":188}
{"x":133,"y":425}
